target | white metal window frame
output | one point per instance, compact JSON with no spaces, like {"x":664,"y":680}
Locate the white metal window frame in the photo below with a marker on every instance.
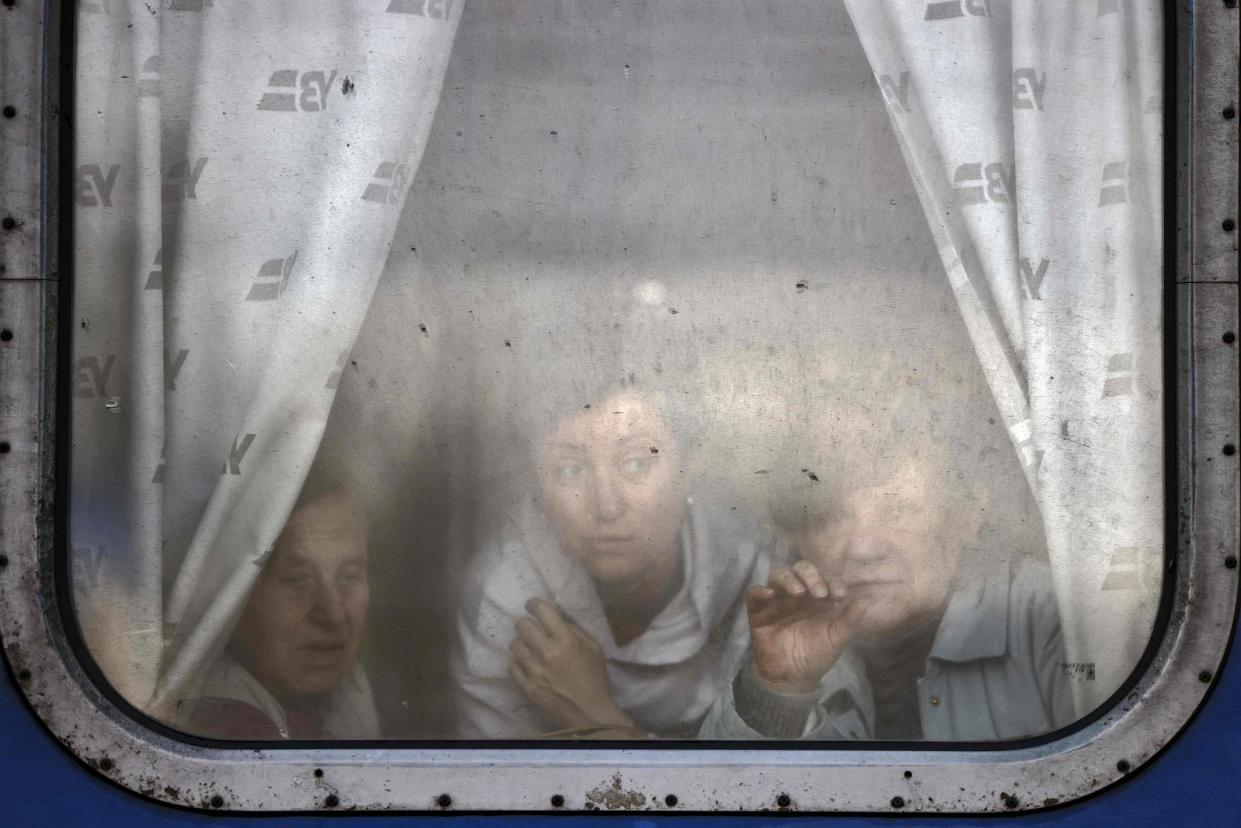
{"x":1203,"y":313}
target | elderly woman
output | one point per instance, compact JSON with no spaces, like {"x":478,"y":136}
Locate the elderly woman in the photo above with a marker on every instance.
{"x":895,"y":622}
{"x":291,"y":669}
{"x":612,"y":604}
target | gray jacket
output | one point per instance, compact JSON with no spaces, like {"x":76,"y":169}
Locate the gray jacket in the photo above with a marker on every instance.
{"x":995,"y":671}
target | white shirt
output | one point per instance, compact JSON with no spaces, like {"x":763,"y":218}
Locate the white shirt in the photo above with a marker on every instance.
{"x":666,"y":679}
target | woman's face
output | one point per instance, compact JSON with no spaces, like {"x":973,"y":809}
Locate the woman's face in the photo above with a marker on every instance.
{"x":613,"y":483}
{"x":895,"y":545}
{"x":302,"y":627}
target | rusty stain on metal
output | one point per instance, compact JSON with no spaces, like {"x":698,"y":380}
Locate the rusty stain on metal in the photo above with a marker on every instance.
{"x":614,"y":796}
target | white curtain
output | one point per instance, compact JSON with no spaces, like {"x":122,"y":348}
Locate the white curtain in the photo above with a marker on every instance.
{"x":240,"y":169}
{"x":1033,"y":132}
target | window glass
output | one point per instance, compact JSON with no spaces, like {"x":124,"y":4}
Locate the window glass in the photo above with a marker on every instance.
{"x":618,"y":370}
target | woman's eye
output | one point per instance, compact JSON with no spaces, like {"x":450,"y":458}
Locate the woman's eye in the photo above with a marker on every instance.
{"x":349,"y":578}
{"x":569,"y":471}
{"x":637,"y":465}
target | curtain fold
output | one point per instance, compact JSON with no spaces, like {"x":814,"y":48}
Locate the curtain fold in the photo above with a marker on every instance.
{"x":1033,"y":133}
{"x":241,"y":168}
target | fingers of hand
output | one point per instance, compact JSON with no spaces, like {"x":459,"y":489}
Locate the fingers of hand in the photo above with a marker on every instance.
{"x":523,"y":655}
{"x":530,"y":687}
{"x":519,"y":675}
{"x":759,"y":594}
{"x":851,"y":616}
{"x":845,"y":625}
{"x":547,"y":615}
{"x":759,"y":602}
{"x":811,"y":579}
{"x":783,"y":580}
{"x":585,"y":638}
{"x":837,"y":590}
{"x":765,"y":605}
{"x":533,"y":635}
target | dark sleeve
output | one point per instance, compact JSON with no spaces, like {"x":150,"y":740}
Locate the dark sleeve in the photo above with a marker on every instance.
{"x":772,"y":714}
{"x":230,"y":719}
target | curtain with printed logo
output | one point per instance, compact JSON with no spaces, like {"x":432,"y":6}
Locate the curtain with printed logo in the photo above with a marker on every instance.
{"x":240,"y":169}
{"x":1033,"y":133}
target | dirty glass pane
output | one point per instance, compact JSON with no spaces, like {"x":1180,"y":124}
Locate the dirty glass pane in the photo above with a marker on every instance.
{"x":617,"y":370}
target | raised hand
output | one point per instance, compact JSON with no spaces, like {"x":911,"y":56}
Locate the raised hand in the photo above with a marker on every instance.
{"x":560,"y":669}
{"x":800,"y":623}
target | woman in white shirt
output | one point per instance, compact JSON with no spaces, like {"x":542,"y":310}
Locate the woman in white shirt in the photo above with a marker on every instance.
{"x":613,"y":604}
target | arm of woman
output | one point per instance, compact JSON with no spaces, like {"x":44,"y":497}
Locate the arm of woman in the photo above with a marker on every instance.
{"x":561,"y":670}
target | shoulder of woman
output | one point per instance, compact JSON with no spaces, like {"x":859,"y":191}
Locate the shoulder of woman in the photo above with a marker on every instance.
{"x":1030,"y":575}
{"x":223,"y":718}
{"x":1032,"y":591}
{"x":501,"y":576}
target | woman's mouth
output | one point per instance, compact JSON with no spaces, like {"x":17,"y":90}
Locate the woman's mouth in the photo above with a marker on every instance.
{"x":606,"y":541}
{"x":324,"y":652}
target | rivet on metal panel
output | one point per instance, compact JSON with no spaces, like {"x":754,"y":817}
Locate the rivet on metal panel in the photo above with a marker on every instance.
{"x":1229,"y":449}
{"x":105,"y":764}
{"x":9,"y":3}
{"x":23,"y":676}
{"x":331,"y":801}
{"x":10,"y":111}
{"x":4,"y":561}
{"x":1229,"y":225}
{"x":318,"y":773}
{"x":909,"y":774}
{"x":783,"y":800}
{"x":6,"y":335}
{"x":671,"y":800}
{"x":1228,"y":4}
{"x":1010,"y":801}
{"x":1205,"y":677}
{"x":443,"y":800}
{"x":1230,"y":337}
{"x":9,"y":223}
{"x":5,"y":448}
{"x":1229,"y":112}
{"x":557,"y":801}
{"x":217,"y":801}
{"x":1230,"y":562}
{"x":1123,"y":766}
{"x":898,"y":802}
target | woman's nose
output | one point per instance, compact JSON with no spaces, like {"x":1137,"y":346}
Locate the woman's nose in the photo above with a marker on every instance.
{"x":843,"y":546}
{"x":867,"y":543}
{"x":328,"y":609}
{"x":609,"y":501}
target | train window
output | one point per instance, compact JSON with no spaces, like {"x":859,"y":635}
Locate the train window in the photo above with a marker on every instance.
{"x":431,"y":404}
